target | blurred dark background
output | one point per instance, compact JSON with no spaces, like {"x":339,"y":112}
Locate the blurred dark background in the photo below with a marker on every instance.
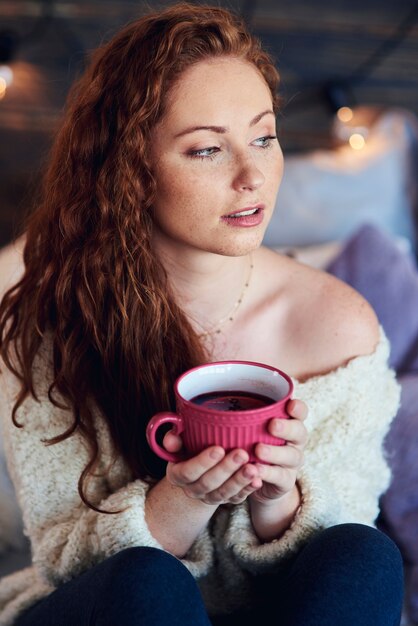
{"x":329,"y":52}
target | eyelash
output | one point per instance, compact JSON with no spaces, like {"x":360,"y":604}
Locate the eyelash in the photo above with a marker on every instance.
{"x":268,"y":139}
{"x":196,"y":154}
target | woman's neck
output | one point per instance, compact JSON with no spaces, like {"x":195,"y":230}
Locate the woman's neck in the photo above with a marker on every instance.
{"x":208,"y":287}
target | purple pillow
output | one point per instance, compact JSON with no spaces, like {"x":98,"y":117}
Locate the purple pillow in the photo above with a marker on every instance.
{"x":372,"y":263}
{"x":399,"y":505}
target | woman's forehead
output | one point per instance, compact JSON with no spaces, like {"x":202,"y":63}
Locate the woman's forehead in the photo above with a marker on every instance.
{"x":213,"y":85}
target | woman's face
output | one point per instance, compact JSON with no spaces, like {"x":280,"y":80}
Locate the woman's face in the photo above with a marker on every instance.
{"x":216,"y":160}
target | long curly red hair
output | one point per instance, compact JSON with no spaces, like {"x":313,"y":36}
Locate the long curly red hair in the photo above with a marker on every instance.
{"x":92,"y":280}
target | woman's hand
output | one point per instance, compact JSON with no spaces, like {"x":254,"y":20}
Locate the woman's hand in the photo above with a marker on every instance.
{"x":273,"y":506}
{"x":215,"y":478}
{"x":212,"y":476}
{"x":284,"y":462}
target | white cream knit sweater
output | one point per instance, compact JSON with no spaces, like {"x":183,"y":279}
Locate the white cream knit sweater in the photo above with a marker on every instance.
{"x":342,"y":478}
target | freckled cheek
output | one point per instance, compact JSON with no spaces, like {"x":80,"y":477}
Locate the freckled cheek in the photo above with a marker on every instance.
{"x":167,"y":184}
{"x":175,"y":183}
{"x":279,"y":175}
{"x":182,"y":200}
{"x":275,"y":174}
{"x":186,"y":187}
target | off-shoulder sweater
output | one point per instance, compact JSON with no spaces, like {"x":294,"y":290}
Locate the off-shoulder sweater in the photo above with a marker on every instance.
{"x":344,"y":474}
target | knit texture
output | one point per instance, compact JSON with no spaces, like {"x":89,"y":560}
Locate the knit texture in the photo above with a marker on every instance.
{"x":345,"y":472}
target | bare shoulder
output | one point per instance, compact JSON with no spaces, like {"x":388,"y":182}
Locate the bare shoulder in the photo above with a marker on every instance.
{"x":349,"y":318}
{"x":328,"y":321}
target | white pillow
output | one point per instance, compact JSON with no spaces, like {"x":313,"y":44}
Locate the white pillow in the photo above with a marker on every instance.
{"x":326,"y":195}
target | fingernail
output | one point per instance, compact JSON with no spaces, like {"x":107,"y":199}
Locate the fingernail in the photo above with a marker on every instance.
{"x":216,"y":454}
{"x":278,"y":425}
{"x":263,"y":450}
{"x":249,"y":472}
{"x":238,"y":457}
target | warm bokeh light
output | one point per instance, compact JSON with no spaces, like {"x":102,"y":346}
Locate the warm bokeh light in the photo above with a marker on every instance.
{"x":357,"y":141}
{"x":3,"y":87}
{"x":345,"y":114}
{"x":28,"y":102}
{"x":6,"y":73}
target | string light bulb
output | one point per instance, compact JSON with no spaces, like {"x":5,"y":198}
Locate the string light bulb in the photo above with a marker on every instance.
{"x":345,"y":114}
{"x":351,"y":129}
{"x":3,"y":88}
{"x":346,"y":126}
{"x":357,"y":141}
{"x":8,"y":47}
{"x":356,"y":135}
{"x":6,"y":79}
{"x":6,"y":74}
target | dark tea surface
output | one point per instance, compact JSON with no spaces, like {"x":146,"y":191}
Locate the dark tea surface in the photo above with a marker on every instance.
{"x":232,"y":400}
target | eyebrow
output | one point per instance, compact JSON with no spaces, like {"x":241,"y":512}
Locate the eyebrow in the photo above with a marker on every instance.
{"x":222,"y":129}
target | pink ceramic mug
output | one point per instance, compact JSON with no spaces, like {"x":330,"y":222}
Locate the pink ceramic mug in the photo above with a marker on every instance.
{"x":228,"y":403}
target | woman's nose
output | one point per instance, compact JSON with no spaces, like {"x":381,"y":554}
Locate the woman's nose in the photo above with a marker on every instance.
{"x":248,"y":176}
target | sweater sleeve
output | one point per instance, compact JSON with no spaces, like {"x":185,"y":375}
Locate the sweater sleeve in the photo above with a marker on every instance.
{"x":345,"y":470}
{"x":66,"y":536}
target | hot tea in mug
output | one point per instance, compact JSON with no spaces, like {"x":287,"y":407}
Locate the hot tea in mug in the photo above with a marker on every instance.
{"x":232,"y":400}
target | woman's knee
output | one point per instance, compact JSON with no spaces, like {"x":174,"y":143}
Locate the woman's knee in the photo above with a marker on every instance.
{"x":146,"y":556}
{"x":145,"y":566}
{"x":361,"y":542}
{"x":344,"y":572}
{"x":149,"y":585}
{"x":358,"y":552}
{"x":135,"y":586}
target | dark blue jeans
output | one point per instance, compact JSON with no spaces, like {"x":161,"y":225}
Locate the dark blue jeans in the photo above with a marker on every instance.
{"x":347,"y":575}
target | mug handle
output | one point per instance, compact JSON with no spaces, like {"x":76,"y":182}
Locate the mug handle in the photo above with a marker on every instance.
{"x":153,"y":425}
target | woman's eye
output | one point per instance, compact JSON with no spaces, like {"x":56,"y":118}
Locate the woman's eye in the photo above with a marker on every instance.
{"x":204,"y":153}
{"x":265,"y":142}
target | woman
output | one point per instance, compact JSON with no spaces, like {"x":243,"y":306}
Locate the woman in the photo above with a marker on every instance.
{"x":143,"y":260}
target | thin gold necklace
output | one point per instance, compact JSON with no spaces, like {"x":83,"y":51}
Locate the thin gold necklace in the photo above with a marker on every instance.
{"x":232,"y":313}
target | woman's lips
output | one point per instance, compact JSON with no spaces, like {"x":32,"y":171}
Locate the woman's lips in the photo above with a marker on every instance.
{"x":250,"y":216}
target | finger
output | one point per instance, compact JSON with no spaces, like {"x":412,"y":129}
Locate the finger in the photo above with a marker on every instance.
{"x":298,"y":409}
{"x":288,"y":457}
{"x":218,"y":476}
{"x":187,"y":472}
{"x":277,"y":478}
{"x":292,"y":430}
{"x":246,"y":479}
{"x":172,"y":442}
{"x":256,"y":484}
